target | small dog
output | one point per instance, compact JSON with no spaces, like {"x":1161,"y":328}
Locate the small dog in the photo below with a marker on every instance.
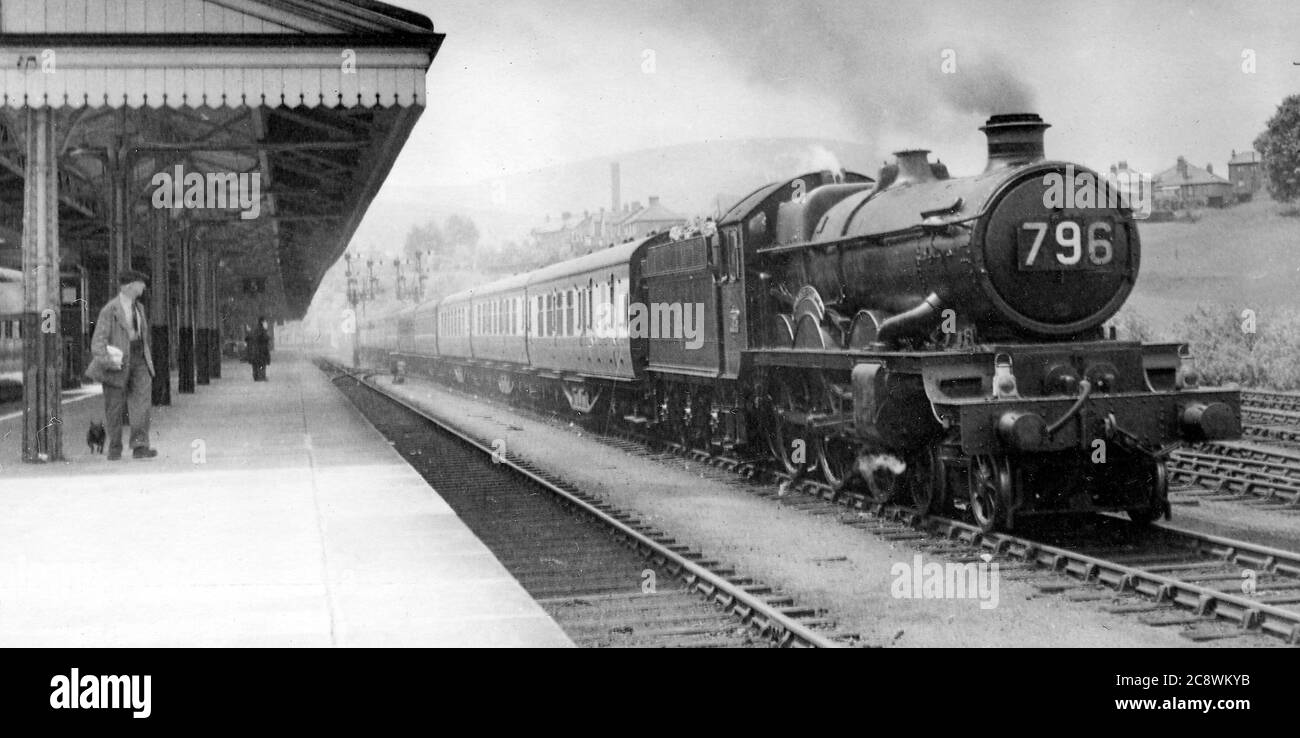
{"x":95,"y":437}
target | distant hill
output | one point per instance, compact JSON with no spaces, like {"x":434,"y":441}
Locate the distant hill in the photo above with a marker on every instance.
{"x":688,"y":178}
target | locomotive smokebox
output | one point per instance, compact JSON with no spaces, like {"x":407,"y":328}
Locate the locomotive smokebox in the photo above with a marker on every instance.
{"x":1015,"y":138}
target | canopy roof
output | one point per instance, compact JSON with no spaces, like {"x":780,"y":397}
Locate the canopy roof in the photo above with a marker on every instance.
{"x":313,"y":97}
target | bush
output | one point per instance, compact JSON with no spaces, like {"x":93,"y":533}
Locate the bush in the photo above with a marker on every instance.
{"x":1254,"y":349}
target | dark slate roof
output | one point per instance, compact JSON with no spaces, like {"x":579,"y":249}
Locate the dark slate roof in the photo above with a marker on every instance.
{"x":1171,"y":177}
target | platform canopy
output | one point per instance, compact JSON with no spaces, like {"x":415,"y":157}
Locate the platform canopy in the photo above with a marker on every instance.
{"x":313,"y":97}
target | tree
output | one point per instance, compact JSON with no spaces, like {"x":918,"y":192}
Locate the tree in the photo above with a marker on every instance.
{"x":461,"y":232}
{"x":462,"y":237}
{"x":427,"y":237}
{"x":1280,"y":146}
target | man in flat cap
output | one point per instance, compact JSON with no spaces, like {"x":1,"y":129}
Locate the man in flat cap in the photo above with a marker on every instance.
{"x":123,"y":362}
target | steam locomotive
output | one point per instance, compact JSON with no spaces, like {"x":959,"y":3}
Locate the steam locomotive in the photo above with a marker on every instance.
{"x":935,"y":340}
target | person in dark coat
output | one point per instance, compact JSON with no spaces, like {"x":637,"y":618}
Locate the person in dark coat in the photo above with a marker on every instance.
{"x":259,"y":350}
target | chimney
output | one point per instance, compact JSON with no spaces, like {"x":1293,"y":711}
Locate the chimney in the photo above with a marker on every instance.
{"x":1209,"y":168}
{"x":1182,"y":167}
{"x":1015,"y":138}
{"x":913,"y":167}
{"x":615,"y":187}
{"x":654,"y":200}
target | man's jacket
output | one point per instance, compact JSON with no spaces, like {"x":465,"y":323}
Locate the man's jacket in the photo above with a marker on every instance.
{"x":111,"y":329}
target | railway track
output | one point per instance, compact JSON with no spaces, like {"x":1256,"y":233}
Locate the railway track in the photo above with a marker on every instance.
{"x":1262,"y":469}
{"x":1164,"y":575}
{"x":606,"y":577}
{"x":1175,"y":576}
{"x":1268,"y":474}
{"x":1270,"y":400}
{"x":1273,"y":417}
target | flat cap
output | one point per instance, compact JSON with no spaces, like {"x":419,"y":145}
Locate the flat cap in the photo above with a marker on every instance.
{"x":128,"y":276}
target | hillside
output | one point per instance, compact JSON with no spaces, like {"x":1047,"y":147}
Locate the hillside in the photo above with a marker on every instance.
{"x":688,"y":177}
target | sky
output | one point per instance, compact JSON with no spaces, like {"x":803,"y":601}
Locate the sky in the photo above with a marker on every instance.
{"x":523,"y":84}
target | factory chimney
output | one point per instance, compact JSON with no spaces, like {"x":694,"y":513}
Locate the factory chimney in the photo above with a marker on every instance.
{"x":1015,"y":138}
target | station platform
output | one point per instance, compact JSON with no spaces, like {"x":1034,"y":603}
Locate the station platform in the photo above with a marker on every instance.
{"x":274,"y":515}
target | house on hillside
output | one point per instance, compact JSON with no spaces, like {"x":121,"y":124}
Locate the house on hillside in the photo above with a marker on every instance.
{"x":572,"y":235}
{"x":1246,"y":171}
{"x":595,"y":231}
{"x":555,"y":237}
{"x":654,"y":218}
{"x":1185,"y":185}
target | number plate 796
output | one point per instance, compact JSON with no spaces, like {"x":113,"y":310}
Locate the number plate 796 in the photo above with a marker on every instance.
{"x":1066,"y":244}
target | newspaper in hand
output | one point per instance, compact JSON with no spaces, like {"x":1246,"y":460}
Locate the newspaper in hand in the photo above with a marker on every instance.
{"x":114,"y":356}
